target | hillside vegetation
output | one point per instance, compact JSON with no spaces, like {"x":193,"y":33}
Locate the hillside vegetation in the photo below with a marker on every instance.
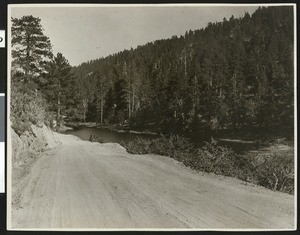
{"x":231,"y":78}
{"x":231,"y":74}
{"x":273,"y":170}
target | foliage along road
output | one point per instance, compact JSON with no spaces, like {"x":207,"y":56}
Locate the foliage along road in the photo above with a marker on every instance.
{"x":80,"y":184}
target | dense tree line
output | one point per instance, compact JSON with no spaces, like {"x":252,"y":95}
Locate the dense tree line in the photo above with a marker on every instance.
{"x":42,"y":85}
{"x":230,"y":74}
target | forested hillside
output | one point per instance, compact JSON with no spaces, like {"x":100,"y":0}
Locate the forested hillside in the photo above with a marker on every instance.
{"x":42,"y":85}
{"x":231,"y":74}
{"x":232,"y":80}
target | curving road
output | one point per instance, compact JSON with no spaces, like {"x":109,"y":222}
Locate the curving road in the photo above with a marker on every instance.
{"x":89,"y":185}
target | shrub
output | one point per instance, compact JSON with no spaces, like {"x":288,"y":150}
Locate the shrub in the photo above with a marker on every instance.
{"x":27,"y":107}
{"x":139,"y":146}
{"x":275,"y":172}
{"x":213,"y":158}
{"x":174,"y":146}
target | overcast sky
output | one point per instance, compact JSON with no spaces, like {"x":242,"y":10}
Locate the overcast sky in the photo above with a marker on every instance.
{"x":85,"y":33}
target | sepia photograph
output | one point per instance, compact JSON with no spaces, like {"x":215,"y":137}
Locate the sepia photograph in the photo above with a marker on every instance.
{"x":151,"y":117}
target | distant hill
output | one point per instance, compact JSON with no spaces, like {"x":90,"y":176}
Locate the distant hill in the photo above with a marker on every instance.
{"x":231,"y":74}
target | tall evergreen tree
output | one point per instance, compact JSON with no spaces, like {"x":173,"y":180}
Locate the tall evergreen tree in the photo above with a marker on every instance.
{"x":230,"y":74}
{"x":59,"y":88}
{"x":31,"y":49}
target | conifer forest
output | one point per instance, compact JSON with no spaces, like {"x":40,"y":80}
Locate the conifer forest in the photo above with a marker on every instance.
{"x":229,"y":75}
{"x":194,"y":130}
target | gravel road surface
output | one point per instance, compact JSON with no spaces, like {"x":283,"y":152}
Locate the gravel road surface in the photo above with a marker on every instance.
{"x":80,"y":184}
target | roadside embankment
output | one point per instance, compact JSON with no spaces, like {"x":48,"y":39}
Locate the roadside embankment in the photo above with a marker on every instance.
{"x":61,"y":181}
{"x":80,"y":184}
{"x":26,"y":149}
{"x":36,"y":140}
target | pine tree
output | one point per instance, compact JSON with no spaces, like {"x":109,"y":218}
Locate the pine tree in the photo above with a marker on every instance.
{"x":59,"y":86}
{"x":230,"y":74}
{"x":31,"y":49}
{"x":102,"y":88}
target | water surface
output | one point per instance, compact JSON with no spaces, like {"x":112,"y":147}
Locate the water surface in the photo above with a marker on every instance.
{"x":106,"y":135}
{"x":113,"y":136}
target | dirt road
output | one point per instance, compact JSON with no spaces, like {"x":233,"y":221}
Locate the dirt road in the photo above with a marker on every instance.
{"x":89,"y":185}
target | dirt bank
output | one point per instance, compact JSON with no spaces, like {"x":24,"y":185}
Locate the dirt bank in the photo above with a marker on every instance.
{"x":80,"y":184}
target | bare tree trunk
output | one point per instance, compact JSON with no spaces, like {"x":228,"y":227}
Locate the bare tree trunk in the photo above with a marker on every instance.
{"x":129,"y":108}
{"x":129,"y":102}
{"x":58,"y":105}
{"x":101,"y":110}
{"x":234,"y":84}
{"x":194,"y":95}
{"x":84,"y":109}
{"x":132,"y":106}
{"x":27,"y":65}
{"x":185,"y":64}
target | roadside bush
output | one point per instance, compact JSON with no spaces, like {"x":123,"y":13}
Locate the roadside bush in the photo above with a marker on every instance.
{"x":27,"y":107}
{"x":275,"y":172}
{"x":139,"y":146}
{"x":174,"y":146}
{"x":213,"y":158}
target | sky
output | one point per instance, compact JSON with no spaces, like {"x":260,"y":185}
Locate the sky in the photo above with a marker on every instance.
{"x":85,"y":33}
